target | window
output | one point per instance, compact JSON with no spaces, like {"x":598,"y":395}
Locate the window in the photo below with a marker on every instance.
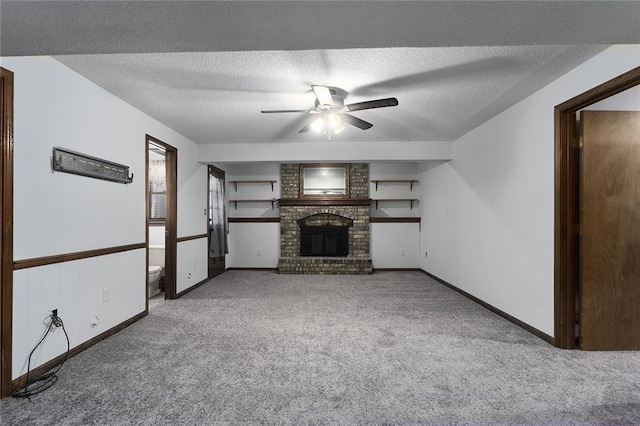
{"x":157,"y":191}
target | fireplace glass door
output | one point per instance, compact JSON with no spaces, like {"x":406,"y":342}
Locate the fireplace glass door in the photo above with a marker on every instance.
{"x":330,"y":241}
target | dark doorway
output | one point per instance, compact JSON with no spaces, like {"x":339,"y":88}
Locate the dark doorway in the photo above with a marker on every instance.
{"x":170,"y":201}
{"x":217,"y":233}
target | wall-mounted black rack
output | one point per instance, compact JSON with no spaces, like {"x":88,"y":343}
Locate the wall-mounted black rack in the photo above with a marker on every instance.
{"x":67,"y":161}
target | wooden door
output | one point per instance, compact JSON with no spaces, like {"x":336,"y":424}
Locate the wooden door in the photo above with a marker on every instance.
{"x":609,"y":292}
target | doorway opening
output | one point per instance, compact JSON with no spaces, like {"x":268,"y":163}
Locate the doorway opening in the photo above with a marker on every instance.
{"x":157,"y":214}
{"x":569,"y":293}
{"x":217,"y":231}
{"x":161,"y":225}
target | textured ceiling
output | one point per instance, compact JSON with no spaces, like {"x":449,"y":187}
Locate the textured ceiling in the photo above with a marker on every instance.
{"x":206,"y":69}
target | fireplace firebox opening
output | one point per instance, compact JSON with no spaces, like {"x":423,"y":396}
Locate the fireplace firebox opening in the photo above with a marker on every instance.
{"x":331,"y":241}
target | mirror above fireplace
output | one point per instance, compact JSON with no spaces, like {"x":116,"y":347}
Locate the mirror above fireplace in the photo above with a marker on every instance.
{"x":324,"y":180}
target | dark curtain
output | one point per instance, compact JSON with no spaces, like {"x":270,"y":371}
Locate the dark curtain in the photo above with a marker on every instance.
{"x":217,"y":218}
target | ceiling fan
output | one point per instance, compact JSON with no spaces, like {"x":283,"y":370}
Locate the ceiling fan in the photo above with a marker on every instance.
{"x":330,"y":106}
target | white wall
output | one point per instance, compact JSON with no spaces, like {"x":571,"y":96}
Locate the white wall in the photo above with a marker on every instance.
{"x":253,"y":245}
{"x":156,"y":235}
{"x":323,"y":152}
{"x":395,"y":245}
{"x":394,"y":190}
{"x":487,"y":216}
{"x":253,"y":191}
{"x":58,"y":213}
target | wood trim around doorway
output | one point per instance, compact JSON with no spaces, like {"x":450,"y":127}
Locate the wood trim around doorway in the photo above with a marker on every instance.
{"x":6,"y":241}
{"x":171,"y":224}
{"x":566,"y":180}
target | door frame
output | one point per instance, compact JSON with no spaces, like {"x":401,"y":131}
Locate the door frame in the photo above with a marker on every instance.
{"x":566,"y":259}
{"x":171,"y":224}
{"x":6,"y":238}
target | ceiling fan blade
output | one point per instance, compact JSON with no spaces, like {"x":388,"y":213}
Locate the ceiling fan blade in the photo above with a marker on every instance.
{"x":355,"y":121}
{"x":305,"y":128}
{"x":378,"y":103}
{"x":323,"y":94}
{"x":308,"y":126}
{"x":274,"y":111}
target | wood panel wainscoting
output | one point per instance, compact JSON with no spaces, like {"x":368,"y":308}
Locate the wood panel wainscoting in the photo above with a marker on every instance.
{"x":196,"y":285}
{"x":193,"y":287}
{"x":61,"y":258}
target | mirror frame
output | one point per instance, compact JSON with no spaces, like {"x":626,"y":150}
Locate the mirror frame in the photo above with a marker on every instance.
{"x":321,"y":165}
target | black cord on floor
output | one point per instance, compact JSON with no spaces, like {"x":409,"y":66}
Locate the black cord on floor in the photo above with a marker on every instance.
{"x":44,"y":382}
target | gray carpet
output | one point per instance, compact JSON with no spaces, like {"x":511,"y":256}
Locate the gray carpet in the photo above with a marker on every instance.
{"x":390,"y":348}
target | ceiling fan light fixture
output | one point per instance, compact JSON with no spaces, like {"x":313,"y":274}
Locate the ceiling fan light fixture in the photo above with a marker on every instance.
{"x":318,"y":125}
{"x":335,"y":123}
{"x":333,"y":112}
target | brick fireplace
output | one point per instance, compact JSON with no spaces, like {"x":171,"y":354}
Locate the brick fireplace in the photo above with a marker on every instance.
{"x":299,"y":216}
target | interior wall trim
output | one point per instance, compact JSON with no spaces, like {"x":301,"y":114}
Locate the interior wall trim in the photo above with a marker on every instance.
{"x":44,"y":368}
{"x":379,"y":219}
{"x":6,"y":236}
{"x":324,"y":202}
{"x":566,"y":262}
{"x":544,"y":336}
{"x":67,"y":257}
{"x":191,"y":237}
{"x":372,"y":219}
{"x":254,"y":220}
{"x":252,"y":269}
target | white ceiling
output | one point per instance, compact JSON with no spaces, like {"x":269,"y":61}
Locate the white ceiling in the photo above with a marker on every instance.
{"x":207,"y":69}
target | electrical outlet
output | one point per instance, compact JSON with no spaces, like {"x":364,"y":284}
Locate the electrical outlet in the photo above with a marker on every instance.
{"x":259,"y":252}
{"x":403,"y":252}
{"x":105,"y":294}
{"x":425,"y":254}
{"x":94,"y":322}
